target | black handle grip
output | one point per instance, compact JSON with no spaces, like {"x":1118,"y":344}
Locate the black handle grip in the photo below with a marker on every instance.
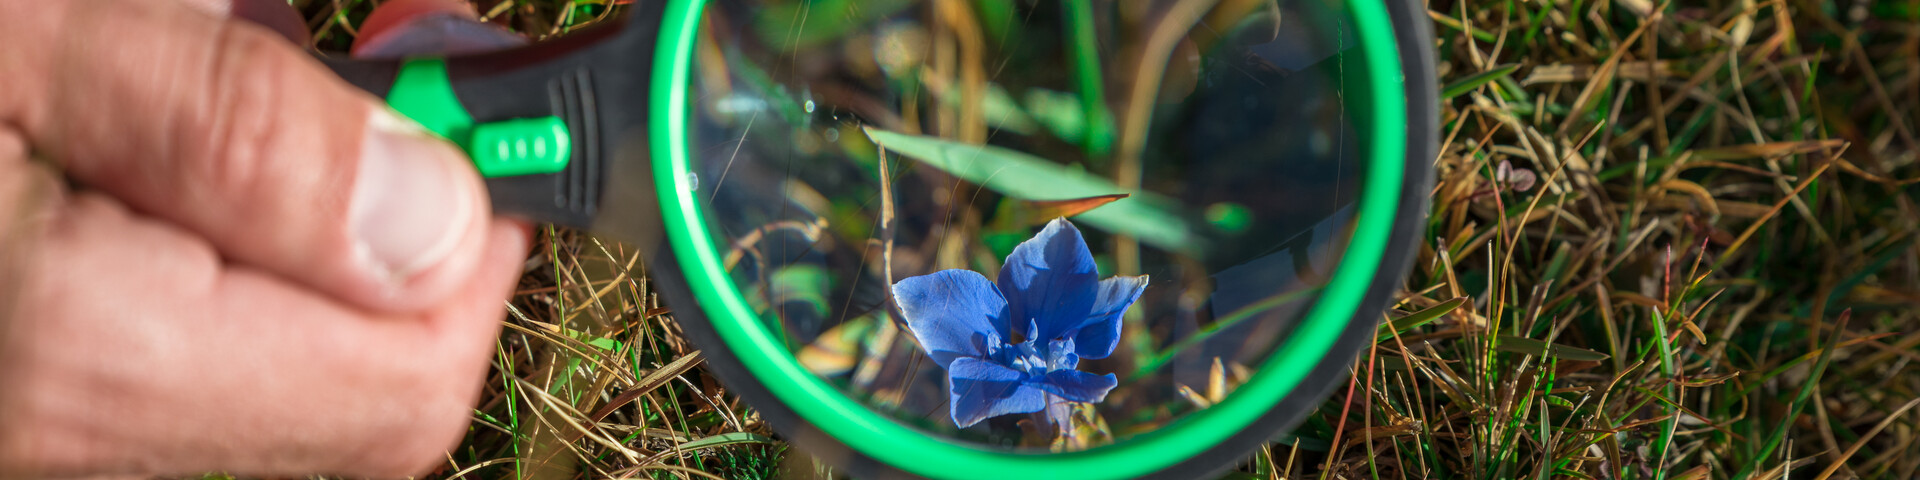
{"x":593,"y":81}
{"x":374,"y":76}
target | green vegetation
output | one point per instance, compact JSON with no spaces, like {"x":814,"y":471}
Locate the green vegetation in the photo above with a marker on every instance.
{"x":1671,"y":241}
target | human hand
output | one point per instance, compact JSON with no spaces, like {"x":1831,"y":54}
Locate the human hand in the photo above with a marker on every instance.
{"x":261,"y":270}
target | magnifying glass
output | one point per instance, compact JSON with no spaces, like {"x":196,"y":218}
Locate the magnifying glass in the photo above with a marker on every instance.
{"x":947,"y":238}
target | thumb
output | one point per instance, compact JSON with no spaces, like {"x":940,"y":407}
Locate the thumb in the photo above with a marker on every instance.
{"x":222,"y":128}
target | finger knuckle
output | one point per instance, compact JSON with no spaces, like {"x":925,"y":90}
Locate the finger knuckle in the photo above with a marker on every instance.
{"x":240,"y":130}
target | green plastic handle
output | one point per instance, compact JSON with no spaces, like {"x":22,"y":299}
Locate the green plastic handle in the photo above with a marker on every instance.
{"x":522,"y":146}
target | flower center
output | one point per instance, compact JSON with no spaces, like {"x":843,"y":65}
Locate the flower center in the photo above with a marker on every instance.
{"x":1028,"y":357}
{"x":1036,"y":358}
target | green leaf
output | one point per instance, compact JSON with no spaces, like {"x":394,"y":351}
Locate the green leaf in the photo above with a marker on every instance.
{"x":1518,"y":344}
{"x":1465,"y":85}
{"x":1098,"y":138}
{"x":1409,"y":322}
{"x":810,"y":23}
{"x":1059,"y":112}
{"x":607,"y":344}
{"x":800,"y":282}
{"x":998,"y":108}
{"x":724,"y":439}
{"x":1149,"y":217}
{"x":998,"y":17}
{"x":1067,"y":116}
{"x":764,"y":89}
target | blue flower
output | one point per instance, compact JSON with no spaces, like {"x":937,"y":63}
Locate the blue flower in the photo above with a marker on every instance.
{"x":1049,"y":291}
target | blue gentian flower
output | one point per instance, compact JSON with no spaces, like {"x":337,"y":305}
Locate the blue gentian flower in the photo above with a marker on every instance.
{"x":1050,"y":292}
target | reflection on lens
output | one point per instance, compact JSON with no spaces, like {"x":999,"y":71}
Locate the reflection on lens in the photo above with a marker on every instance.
{"x":1050,"y":225}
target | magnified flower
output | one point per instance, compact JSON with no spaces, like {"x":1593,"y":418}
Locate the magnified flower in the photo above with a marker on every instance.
{"x":1049,"y":291}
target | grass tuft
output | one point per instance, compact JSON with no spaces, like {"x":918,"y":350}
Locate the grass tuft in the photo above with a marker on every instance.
{"x":1713,"y":278}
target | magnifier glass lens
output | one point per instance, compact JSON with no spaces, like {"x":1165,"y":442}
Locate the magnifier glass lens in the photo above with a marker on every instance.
{"x":1046,"y":225}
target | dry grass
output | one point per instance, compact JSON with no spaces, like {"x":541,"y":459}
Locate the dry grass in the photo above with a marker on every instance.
{"x":1669,"y":241}
{"x":1711,"y":277}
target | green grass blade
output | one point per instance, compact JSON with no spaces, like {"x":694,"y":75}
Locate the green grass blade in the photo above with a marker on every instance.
{"x":724,"y":439}
{"x":1519,"y":344}
{"x":1423,"y":317}
{"x":1464,"y":85}
{"x":1152,"y":218}
{"x":1779,"y":433}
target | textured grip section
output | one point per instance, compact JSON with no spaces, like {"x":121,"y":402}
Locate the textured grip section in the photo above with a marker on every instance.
{"x":568,"y":196}
{"x":578,"y":187}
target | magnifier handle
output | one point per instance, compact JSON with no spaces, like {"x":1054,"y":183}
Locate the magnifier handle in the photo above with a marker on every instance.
{"x":540,"y":122}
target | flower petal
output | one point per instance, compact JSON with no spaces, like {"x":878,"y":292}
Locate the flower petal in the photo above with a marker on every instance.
{"x":1076,"y":385}
{"x":1050,"y":279}
{"x":982,"y":389}
{"x":1101,"y":330}
{"x":953,"y":313}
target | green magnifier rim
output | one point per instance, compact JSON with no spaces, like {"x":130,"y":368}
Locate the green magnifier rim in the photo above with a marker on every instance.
{"x":869,"y":433}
